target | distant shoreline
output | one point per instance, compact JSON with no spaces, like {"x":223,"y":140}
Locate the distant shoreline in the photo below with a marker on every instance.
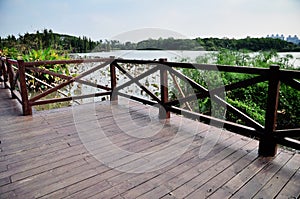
{"x":171,"y":55}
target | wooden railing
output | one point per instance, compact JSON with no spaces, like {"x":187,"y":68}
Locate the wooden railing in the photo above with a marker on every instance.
{"x":13,"y":74}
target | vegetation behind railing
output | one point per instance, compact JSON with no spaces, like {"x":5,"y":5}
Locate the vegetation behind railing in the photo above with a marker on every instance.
{"x":252,"y":100}
{"x":14,"y":77}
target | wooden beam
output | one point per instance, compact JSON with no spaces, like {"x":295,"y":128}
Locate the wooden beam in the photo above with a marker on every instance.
{"x":291,"y":82}
{"x":288,"y":133}
{"x":267,"y":144}
{"x":27,"y":110}
{"x":113,"y":83}
{"x":136,"y":80}
{"x":51,"y":90}
{"x":64,"y":99}
{"x":236,"y":128}
{"x":72,"y":61}
{"x":164,"y":93}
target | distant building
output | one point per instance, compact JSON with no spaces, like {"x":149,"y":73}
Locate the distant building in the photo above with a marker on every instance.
{"x":291,"y":39}
{"x":276,"y":36}
{"x":294,"y":39}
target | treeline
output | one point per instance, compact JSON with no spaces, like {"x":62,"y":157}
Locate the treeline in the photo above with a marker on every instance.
{"x":48,"y":39}
{"x":156,"y":44}
{"x":251,"y":44}
{"x":209,"y":44}
{"x":170,"y":44}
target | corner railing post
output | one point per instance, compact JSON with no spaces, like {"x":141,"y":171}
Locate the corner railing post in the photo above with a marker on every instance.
{"x":267,"y":144}
{"x":113,"y":82}
{"x":163,"y":113}
{"x":27,"y":110}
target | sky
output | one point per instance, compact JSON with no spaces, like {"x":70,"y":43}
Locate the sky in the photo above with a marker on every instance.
{"x":142,"y":19}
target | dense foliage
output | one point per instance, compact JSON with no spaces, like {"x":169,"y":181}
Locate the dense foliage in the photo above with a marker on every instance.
{"x":251,"y":100}
{"x":211,"y":44}
{"x":169,"y":44}
{"x":34,"y":84}
{"x":47,"y":39}
{"x":252,"y":44}
{"x":41,"y":55}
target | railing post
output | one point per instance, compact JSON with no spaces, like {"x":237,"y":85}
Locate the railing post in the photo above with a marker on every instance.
{"x":267,"y":144}
{"x":10,"y":78}
{"x":163,"y":113}
{"x":27,"y":110}
{"x":1,"y":68}
{"x":5,"y":75}
{"x":113,"y":82}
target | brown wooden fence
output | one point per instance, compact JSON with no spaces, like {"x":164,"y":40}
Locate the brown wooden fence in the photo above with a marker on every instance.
{"x":13,"y":73}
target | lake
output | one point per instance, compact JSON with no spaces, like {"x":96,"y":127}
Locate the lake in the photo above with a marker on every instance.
{"x":171,"y":55}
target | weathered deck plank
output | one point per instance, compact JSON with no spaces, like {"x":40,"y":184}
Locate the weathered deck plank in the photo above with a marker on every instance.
{"x":291,"y":189}
{"x":279,"y":180}
{"x":43,"y":156}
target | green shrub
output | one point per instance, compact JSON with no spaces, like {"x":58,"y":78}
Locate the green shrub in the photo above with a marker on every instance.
{"x":251,"y":100}
{"x":41,"y":55}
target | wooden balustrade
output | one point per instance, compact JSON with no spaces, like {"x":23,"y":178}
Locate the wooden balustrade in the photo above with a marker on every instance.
{"x":13,"y":74}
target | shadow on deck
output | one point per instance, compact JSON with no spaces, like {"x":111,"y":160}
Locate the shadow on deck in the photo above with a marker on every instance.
{"x":124,"y":151}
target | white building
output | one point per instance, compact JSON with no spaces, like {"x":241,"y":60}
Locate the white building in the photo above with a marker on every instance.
{"x":294,"y":39}
{"x":291,"y":39}
{"x":277,"y":36}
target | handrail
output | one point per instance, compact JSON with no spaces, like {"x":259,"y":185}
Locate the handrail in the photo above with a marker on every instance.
{"x":209,"y":67}
{"x":72,"y":61}
{"x":10,"y":77}
{"x":12,"y":61}
{"x":12,"y":72}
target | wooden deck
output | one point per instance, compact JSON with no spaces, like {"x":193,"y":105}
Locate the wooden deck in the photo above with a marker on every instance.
{"x":47,"y":155}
